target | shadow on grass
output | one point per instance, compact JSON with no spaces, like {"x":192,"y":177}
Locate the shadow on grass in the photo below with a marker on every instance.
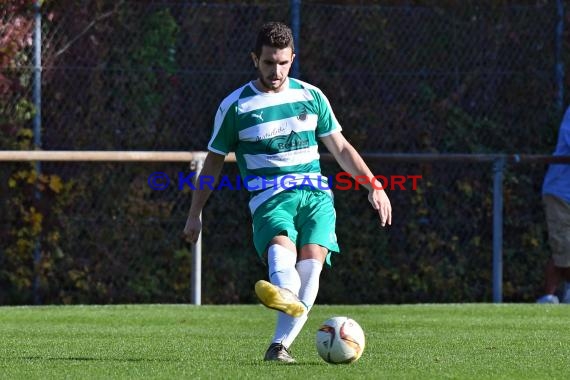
{"x":261,"y":363}
{"x":83,"y":358}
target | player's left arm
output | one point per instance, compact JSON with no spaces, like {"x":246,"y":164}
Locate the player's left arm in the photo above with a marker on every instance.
{"x":351,"y":161}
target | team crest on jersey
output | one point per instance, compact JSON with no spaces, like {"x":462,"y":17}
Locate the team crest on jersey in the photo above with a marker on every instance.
{"x":302,"y":114}
{"x":292,"y":141}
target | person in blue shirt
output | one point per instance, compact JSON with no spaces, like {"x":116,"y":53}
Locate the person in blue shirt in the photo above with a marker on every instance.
{"x":556,"y":198}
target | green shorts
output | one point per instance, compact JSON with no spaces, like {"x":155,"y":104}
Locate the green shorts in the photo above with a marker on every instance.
{"x":305,"y":215}
{"x":558,"y":223}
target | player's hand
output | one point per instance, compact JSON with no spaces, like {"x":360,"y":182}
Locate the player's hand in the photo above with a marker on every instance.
{"x":380,"y":202}
{"x":192,"y":229}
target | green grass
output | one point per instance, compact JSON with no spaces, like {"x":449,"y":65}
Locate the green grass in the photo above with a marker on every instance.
{"x":462,"y":341}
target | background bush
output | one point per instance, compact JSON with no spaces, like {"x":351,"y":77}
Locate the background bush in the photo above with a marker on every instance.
{"x":422,"y":77}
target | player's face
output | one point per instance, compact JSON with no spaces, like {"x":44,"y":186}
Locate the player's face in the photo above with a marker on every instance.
{"x":273,"y":67}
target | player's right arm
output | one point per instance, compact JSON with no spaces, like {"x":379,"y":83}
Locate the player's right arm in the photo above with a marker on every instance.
{"x":224,"y":140}
{"x":212,"y":167}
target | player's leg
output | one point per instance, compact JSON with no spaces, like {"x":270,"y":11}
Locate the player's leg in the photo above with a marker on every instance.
{"x":316,"y":224}
{"x":275,"y":237}
{"x":281,"y":292}
{"x":309,"y":268}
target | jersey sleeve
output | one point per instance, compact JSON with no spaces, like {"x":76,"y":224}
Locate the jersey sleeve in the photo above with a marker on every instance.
{"x":224,"y":136}
{"x":326,"y":122}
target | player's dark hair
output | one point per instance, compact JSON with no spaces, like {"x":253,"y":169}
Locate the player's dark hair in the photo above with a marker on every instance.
{"x":274,"y":34}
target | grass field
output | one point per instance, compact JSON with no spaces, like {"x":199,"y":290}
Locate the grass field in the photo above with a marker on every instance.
{"x":460,"y":341}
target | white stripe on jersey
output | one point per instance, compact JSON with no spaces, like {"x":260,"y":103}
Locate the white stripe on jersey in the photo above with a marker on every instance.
{"x":264,"y":100}
{"x":291,"y":158}
{"x":281,"y":127}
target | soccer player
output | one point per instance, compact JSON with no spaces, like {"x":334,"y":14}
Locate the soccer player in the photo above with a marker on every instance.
{"x":556,"y":199}
{"x":272,"y":123}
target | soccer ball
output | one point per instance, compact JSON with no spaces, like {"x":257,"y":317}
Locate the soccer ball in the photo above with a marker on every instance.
{"x":340,"y":340}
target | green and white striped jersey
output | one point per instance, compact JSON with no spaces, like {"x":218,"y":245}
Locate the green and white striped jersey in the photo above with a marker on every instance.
{"x":273,"y":134}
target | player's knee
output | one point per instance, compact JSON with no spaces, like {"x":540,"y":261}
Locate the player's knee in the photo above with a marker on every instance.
{"x":313,"y":251}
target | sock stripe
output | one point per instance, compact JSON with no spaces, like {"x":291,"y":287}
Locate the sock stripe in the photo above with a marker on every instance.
{"x":275,"y":272}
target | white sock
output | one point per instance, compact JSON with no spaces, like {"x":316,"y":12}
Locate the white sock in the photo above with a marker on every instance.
{"x":282,"y":272}
{"x":288,"y":328}
{"x":309,"y":272}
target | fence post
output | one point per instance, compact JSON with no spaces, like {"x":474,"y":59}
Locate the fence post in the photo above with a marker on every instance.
{"x":196,"y":287}
{"x":498,"y":168}
{"x":37,"y":124}
{"x":296,"y":29}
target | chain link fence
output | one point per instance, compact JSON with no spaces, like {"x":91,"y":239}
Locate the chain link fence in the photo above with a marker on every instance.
{"x":452,"y":78}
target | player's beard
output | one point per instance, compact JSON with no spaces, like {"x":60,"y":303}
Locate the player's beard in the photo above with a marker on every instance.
{"x":268,"y":83}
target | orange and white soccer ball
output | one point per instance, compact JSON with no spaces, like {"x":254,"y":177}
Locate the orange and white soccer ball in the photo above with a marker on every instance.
{"x":340,"y":340}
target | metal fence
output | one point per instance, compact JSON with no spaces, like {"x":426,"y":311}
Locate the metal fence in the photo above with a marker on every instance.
{"x":149,"y":76}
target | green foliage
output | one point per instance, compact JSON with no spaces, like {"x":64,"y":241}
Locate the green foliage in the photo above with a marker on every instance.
{"x":149,"y":76}
{"x":33,"y":201}
{"x":135,"y":255}
{"x":35,"y":204}
{"x":153,"y":58}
